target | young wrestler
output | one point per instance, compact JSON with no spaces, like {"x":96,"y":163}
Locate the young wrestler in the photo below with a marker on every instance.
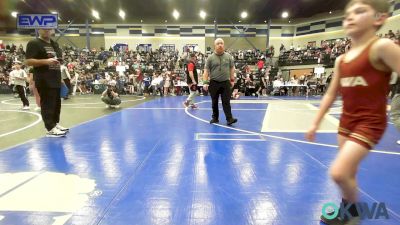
{"x":362,"y":76}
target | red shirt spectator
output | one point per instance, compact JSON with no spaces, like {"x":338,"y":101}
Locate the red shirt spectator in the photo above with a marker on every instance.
{"x":260,"y":64}
{"x":139,"y":76}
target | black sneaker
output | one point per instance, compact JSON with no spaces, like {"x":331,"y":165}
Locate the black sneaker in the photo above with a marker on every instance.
{"x":213,"y":120}
{"x":338,"y":221}
{"x":231,"y":121}
{"x":334,"y":221}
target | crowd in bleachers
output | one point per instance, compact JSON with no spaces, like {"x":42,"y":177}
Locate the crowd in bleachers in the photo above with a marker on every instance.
{"x":135,"y":72}
{"x":326,"y":53}
{"x":162,"y":71}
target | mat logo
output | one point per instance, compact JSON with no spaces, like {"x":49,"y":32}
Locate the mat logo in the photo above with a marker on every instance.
{"x":376,"y":210}
{"x":30,"y":21}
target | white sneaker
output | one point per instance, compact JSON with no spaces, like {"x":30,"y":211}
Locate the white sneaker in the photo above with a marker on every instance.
{"x":55,"y":133}
{"x":117,"y":106}
{"x":108,"y":106}
{"x":37,"y":109}
{"x":61,"y":128}
{"x":25,"y":108}
{"x":398,"y":142}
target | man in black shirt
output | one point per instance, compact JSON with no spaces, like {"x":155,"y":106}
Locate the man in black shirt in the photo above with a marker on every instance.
{"x":44,"y":55}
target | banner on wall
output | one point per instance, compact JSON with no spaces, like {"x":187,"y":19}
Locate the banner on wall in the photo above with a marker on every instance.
{"x":191,"y":48}
{"x":167,"y":47}
{"x":120,"y":47}
{"x":143,"y":48}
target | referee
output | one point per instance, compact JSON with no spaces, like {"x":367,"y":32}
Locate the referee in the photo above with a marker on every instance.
{"x":218,"y":74}
{"x":44,"y":54}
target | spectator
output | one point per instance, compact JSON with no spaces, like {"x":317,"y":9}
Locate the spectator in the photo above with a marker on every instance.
{"x":20,"y":77}
{"x":110,"y":96}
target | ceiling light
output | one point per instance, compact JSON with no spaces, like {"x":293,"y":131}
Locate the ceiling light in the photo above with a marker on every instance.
{"x":166,"y":21}
{"x":14,"y":14}
{"x":265,"y":21}
{"x":203,"y":14}
{"x":95,"y":14}
{"x":121,"y":14}
{"x":243,"y":15}
{"x":175,"y":14}
{"x":285,"y":15}
{"x":290,"y":21}
{"x":239,"y":21}
{"x":55,"y":12}
{"x":330,"y":12}
{"x":141,"y":21}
